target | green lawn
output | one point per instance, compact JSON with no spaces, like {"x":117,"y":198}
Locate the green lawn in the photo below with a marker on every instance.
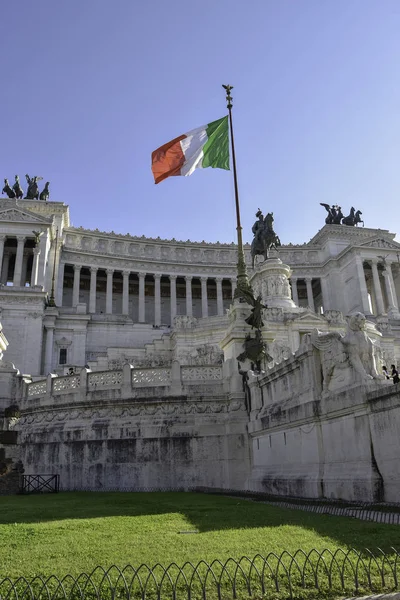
{"x":74,"y":532}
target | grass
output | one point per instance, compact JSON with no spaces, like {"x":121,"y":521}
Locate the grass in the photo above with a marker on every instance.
{"x":75,"y":532}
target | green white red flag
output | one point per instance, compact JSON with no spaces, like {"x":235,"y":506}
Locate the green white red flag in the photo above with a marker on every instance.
{"x":206,"y":146}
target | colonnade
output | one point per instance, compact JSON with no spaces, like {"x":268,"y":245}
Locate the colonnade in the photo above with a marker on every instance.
{"x":383,"y":297}
{"x":141,"y":280}
{"x":22,"y":252}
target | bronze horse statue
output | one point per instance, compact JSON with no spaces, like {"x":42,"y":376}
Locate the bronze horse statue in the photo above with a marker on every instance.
{"x":265,"y":237}
{"x":45,"y":194}
{"x":19,"y":192}
{"x":353,"y":218}
{"x":8,"y":190}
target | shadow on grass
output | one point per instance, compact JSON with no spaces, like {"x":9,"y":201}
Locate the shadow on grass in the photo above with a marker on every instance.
{"x":205,"y":513}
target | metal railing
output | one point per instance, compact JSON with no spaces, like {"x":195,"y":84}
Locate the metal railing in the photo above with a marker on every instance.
{"x":34,"y":484}
{"x":284,"y":575}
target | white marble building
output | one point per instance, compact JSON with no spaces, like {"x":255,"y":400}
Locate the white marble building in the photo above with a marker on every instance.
{"x":118,"y":293}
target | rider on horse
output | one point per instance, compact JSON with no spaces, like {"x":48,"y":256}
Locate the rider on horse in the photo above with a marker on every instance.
{"x":265,"y":237}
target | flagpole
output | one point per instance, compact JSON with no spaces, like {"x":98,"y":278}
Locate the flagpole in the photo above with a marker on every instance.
{"x":242,"y":280}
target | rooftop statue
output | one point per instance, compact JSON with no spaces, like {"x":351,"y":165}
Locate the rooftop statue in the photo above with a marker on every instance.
{"x":45,"y":194}
{"x":265,"y":237}
{"x":353,"y":218}
{"x":33,"y":189}
{"x":6,"y":189}
{"x":19,"y":192}
{"x":335,"y":214}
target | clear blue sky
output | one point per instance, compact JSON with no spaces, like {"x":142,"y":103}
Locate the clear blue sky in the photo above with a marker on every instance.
{"x":91,"y":87}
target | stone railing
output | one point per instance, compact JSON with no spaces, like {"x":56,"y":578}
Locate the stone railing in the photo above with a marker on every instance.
{"x":127,"y":381}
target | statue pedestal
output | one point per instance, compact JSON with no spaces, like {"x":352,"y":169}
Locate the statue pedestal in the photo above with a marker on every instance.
{"x":270,"y":280}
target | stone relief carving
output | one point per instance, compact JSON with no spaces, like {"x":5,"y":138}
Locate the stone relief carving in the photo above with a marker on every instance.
{"x":18,"y":216}
{"x":206,"y":354}
{"x":185,"y":322}
{"x":334,"y":317}
{"x":279,"y":352}
{"x":349,"y":358}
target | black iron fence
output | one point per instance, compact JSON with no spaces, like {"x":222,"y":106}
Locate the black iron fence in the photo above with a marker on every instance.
{"x":34,"y":484}
{"x":284,"y":575}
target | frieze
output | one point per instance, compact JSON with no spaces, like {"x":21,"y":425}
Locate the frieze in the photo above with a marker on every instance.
{"x":160,"y":408}
{"x":11,"y":299}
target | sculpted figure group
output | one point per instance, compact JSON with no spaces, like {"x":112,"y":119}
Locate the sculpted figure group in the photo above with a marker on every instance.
{"x":265,"y":237}
{"x":336,"y":217}
{"x":342,"y":353}
{"x":32,"y":192}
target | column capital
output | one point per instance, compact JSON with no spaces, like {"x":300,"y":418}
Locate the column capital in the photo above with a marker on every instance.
{"x":308,"y":279}
{"x":204,"y":278}
{"x":293,"y":278}
{"x":141,"y":275}
{"x":93,"y":269}
{"x":3,"y":237}
{"x":188,"y":277}
{"x":126,"y":273}
{"x":173,"y":277}
{"x":219,"y":279}
{"x":374,"y":261}
{"x":157,"y":276}
{"x":110,"y":271}
{"x":77,"y":267}
{"x":21,"y":238}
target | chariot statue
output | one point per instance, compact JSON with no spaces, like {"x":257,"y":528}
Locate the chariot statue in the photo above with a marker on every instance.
{"x":335,"y":214}
{"x":33,"y":188}
{"x":265,"y":237}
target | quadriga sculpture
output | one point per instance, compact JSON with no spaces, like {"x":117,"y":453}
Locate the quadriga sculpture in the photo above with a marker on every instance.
{"x":347,"y":358}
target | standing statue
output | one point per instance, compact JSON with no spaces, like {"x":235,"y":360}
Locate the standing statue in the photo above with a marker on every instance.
{"x":45,"y":194}
{"x":33,"y":188}
{"x":19,"y":192}
{"x":265,"y":237}
{"x":335,"y":214}
{"x":6,"y":189}
{"x":353,"y":218}
{"x":255,"y":350}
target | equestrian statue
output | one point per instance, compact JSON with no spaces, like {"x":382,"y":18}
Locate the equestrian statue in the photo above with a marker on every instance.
{"x":8,"y":190}
{"x":265,"y":237}
{"x":353,"y":218}
{"x":19,"y":192}
{"x":33,"y":188}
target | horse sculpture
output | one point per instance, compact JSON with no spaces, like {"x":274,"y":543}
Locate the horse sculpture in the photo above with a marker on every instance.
{"x":353,"y":218}
{"x":265,"y":237}
{"x":8,"y":190}
{"x":19,"y":192}
{"x":45,"y":194}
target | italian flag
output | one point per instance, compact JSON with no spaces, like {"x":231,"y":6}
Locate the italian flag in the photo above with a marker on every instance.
{"x":206,"y":146}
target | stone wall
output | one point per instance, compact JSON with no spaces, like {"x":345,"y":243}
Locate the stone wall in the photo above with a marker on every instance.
{"x":135,"y":429}
{"x":341,"y":445}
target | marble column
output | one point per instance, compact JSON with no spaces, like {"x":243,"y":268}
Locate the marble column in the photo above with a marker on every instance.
{"x":310,"y":297}
{"x":363,"y":286}
{"x":295,"y":295}
{"x":220,"y":300}
{"x":189,"y":303}
{"x":35,"y":266}
{"x":77,"y":285}
{"x":172,"y":293}
{"x":233,"y":285}
{"x":204,"y":298}
{"x":4,"y":271}
{"x":2,"y":240}
{"x":60,"y":283}
{"x":125,"y":292}
{"x":325,"y":294}
{"x":142,"y":315}
{"x":157,"y":299}
{"x":24,"y":268}
{"x":48,"y":357}
{"x":109,"y":292}
{"x":380,"y":309}
{"x":389,"y":270}
{"x":18,"y":260}
{"x":93,"y":290}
